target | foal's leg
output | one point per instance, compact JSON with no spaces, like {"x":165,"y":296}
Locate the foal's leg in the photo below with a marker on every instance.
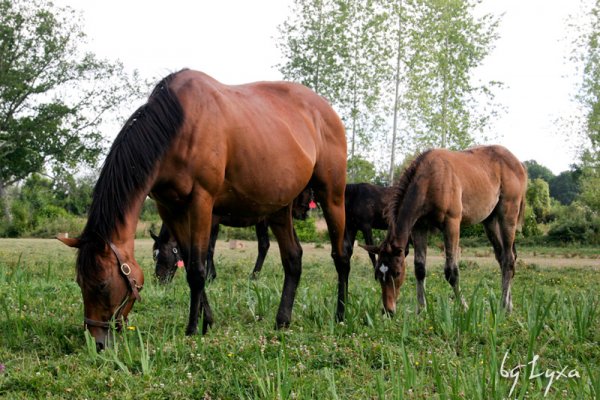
{"x":507,"y":225}
{"x":419,"y":237}
{"x":451,"y":238}
{"x":262,"y":235}
{"x":368,"y":234}
{"x":291,"y":258}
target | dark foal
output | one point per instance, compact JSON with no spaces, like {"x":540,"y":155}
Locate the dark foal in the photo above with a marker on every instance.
{"x":365,"y":211}
{"x":167,"y":256}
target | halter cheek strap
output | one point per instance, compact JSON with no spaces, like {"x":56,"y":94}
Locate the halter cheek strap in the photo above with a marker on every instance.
{"x":125,"y":270}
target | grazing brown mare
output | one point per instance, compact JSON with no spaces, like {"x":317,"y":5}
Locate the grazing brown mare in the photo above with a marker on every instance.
{"x":365,"y":211}
{"x":199,"y":146}
{"x":167,"y":256}
{"x":445,"y":189}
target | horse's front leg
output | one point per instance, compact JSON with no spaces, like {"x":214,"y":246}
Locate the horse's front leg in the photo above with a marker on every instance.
{"x":332,"y":203}
{"x":451,"y":238}
{"x":199,"y":220}
{"x":291,"y":258}
{"x":419,"y":237}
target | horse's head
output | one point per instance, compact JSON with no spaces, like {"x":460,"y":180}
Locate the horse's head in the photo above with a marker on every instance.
{"x":110,"y":284}
{"x":166,"y":256}
{"x":301,"y":204}
{"x":390,"y":271}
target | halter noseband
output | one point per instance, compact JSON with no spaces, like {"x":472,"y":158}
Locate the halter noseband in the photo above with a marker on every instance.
{"x":134,"y":289}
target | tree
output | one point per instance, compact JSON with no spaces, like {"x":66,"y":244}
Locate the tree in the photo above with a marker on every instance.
{"x":53,"y":96}
{"x":361,"y":170}
{"x":538,"y":199}
{"x":536,"y":170}
{"x":447,"y":42}
{"x":565,"y":186}
{"x":587,"y":52}
{"x":335,"y":48}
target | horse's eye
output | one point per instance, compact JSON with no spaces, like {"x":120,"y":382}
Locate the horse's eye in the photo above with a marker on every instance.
{"x":156,"y":252}
{"x":174,"y":250}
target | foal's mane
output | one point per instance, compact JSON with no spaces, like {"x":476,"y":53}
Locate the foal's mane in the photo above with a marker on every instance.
{"x":132,"y":158}
{"x":391,"y":211}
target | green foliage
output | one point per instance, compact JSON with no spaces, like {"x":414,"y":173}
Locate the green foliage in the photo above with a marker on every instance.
{"x":576,"y":223}
{"x":538,"y":199}
{"x":536,"y":170}
{"x":445,"y":43}
{"x":360,"y":170}
{"x":41,"y":209}
{"x":307,"y":230}
{"x":565,"y":186}
{"x":335,"y":48}
{"x":530,"y":224}
{"x":40,"y":127}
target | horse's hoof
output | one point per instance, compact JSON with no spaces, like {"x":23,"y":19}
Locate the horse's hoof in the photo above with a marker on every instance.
{"x":191,"y":330}
{"x":282,"y":324}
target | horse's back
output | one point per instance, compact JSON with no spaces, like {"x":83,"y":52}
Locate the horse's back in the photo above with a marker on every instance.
{"x":473,"y":181}
{"x":256,"y":144}
{"x":365,"y":205}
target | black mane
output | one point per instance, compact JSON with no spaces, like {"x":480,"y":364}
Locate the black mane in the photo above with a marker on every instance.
{"x":132,"y":158}
{"x":407,"y":177}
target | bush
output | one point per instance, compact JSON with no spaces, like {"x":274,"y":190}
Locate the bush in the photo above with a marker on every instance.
{"x":575,"y":223}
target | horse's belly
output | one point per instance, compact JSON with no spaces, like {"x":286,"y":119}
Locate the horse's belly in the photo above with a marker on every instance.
{"x":477,"y":208}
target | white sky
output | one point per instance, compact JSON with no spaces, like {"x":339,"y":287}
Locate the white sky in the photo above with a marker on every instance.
{"x":234,"y":41}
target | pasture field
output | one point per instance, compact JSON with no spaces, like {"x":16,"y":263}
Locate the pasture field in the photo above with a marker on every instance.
{"x":445,"y":352}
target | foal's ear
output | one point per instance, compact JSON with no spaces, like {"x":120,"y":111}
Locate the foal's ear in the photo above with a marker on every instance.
{"x":71,"y":242}
{"x":371,"y":248}
{"x":153,"y":235}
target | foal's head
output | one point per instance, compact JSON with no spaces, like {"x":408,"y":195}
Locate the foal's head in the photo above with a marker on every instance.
{"x":166,"y":256}
{"x":390,"y":271}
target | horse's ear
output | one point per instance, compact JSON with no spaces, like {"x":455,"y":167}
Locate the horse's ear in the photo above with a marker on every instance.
{"x":71,"y":242}
{"x":371,"y":248}
{"x":153,"y":235}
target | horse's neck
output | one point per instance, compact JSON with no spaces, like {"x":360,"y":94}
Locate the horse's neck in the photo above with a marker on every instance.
{"x":124,"y":234}
{"x":405,"y":221}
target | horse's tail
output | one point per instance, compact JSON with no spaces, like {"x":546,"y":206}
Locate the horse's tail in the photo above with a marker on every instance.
{"x":521,"y":218}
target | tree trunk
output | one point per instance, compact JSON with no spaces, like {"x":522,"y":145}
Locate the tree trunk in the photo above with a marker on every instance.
{"x":396,"y":90}
{"x":4,"y":204}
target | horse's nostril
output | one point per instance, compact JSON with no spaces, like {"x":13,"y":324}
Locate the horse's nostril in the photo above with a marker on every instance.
{"x":99,"y":346}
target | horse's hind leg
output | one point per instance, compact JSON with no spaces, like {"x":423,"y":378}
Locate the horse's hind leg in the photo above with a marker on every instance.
{"x":291,"y":258}
{"x":262,"y":235}
{"x":419,"y":237}
{"x":451,"y":238}
{"x":507,"y":226}
{"x":211,"y":272}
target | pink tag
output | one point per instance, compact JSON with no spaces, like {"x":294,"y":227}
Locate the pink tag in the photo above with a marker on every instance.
{"x":179,"y":264}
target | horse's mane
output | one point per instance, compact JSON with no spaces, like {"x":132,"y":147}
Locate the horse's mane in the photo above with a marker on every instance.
{"x":132,"y":158}
{"x":391,"y":211}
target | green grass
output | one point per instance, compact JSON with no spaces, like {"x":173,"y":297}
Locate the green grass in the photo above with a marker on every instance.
{"x":445,"y":352}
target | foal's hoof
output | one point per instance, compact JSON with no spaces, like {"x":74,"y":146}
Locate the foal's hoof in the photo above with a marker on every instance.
{"x":254,"y":275}
{"x":191,"y":330}
{"x":281,"y":324}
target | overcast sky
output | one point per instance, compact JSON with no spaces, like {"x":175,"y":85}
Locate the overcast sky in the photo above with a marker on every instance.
{"x":234,"y":41}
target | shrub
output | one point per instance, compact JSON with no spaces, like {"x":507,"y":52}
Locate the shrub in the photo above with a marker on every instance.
{"x":575,"y":223}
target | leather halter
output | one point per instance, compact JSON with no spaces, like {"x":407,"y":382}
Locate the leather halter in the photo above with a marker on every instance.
{"x":134,"y":289}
